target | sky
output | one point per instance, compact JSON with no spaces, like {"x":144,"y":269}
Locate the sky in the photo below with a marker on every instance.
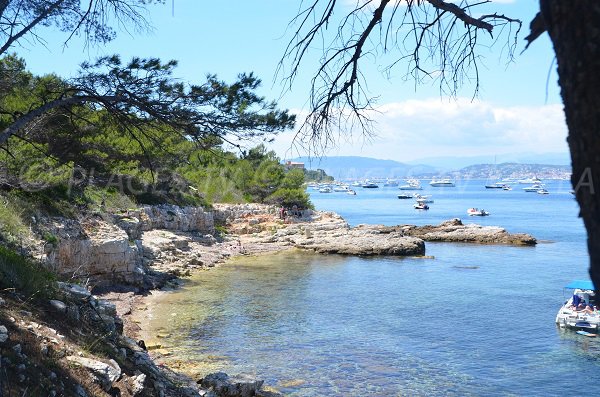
{"x":518,"y":109}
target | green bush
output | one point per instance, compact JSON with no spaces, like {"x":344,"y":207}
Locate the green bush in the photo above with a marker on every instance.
{"x":290,"y":197}
{"x":12,"y":227}
{"x":25,"y":276}
{"x":110,"y":199}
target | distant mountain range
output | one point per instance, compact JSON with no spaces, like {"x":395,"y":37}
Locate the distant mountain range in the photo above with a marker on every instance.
{"x":356,"y":167}
{"x":450,"y":163}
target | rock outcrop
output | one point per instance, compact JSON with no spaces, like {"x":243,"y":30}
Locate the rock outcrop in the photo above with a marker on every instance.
{"x":327,"y":232}
{"x":455,"y":231}
{"x":111,"y":249}
{"x":181,"y":219}
{"x":94,"y":248}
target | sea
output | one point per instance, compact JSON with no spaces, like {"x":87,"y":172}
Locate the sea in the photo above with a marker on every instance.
{"x":466,"y":320}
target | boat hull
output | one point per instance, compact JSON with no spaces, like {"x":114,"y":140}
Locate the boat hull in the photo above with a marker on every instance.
{"x":442,"y":184}
{"x":578,"y":321}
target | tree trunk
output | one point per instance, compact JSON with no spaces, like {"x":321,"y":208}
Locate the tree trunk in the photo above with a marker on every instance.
{"x":574,"y":28}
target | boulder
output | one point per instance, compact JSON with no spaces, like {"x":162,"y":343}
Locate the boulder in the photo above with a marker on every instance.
{"x":58,"y":306}
{"x":104,"y":373}
{"x":235,"y":386}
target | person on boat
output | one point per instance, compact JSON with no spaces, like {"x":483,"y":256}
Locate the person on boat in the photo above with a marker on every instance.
{"x":590,"y":309}
{"x":576,"y":301}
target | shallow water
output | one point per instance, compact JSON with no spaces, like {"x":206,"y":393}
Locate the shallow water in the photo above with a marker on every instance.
{"x":476,"y":320}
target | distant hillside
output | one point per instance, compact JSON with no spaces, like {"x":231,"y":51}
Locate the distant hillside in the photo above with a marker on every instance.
{"x":356,"y":167}
{"x":512,"y":170}
{"x":449,"y":163}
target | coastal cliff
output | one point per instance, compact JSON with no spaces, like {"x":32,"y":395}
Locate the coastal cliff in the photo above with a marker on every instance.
{"x":147,"y":246}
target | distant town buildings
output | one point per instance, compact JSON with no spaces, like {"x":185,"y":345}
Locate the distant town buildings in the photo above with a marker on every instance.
{"x":294,"y":164}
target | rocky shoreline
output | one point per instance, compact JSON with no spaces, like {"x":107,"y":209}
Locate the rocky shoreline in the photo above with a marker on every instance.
{"x":132,"y":254}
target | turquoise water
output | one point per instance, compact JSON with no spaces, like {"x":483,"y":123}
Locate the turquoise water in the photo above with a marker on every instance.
{"x":474,"y":321}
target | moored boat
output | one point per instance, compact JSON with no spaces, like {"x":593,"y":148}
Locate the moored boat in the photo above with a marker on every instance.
{"x":341,"y":188}
{"x":411,"y":184}
{"x":580,"y":311}
{"x":370,"y":185}
{"x":496,"y":185}
{"x":534,"y":188}
{"x":442,"y":183}
{"x":530,"y":181}
{"x":419,"y":205}
{"x":425,"y":199}
{"x":405,"y":196}
{"x":477,"y":212}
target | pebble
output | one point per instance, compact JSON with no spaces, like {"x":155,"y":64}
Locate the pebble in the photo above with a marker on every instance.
{"x":3,"y":334}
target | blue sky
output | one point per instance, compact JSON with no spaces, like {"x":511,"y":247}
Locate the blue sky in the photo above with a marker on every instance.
{"x":518,"y":108}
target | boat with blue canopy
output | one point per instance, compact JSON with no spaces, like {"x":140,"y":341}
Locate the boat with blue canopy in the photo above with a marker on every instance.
{"x":581,"y":310}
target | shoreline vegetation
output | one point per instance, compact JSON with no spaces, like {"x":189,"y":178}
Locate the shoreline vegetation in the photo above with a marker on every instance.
{"x":131,"y":256}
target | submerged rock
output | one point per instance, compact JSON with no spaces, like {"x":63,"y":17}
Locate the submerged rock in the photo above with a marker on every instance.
{"x":231,"y":386}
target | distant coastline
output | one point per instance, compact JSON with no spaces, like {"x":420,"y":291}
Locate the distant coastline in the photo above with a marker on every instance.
{"x":355,"y":167}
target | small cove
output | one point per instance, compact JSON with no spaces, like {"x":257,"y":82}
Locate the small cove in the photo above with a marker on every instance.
{"x":475,"y":320}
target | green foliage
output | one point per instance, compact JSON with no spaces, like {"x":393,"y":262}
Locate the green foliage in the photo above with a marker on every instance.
{"x":107,"y":200}
{"x":318,"y":175}
{"x":12,"y":227}
{"x":159,"y":143}
{"x":293,"y":179}
{"x":26,"y":276}
{"x":290,"y":197}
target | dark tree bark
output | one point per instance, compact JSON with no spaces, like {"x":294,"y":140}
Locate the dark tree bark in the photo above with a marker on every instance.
{"x":574,"y":27}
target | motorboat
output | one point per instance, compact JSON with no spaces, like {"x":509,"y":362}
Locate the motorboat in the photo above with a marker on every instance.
{"x":534,"y":188}
{"x":530,"y":181}
{"x":351,"y":192}
{"x":442,"y":183}
{"x":370,"y":185}
{"x":411,"y":184}
{"x":341,"y":188}
{"x":578,"y":312}
{"x":391,"y":183}
{"x":405,"y":196}
{"x":506,"y":187}
{"x":419,"y":205}
{"x":543,"y":191}
{"x":477,"y":212}
{"x":325,"y":190}
{"x":497,"y":185}
{"x":425,"y":199}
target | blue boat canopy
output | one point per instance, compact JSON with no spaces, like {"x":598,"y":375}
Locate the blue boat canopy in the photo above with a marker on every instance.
{"x":581,"y":284}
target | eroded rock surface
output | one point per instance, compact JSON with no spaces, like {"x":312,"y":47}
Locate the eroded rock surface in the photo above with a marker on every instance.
{"x":454,"y":230}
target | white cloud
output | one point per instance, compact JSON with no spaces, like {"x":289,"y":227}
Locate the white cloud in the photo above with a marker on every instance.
{"x":434,"y":127}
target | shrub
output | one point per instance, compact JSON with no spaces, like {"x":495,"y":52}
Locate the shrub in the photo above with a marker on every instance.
{"x":289,"y":198}
{"x":26,"y":276}
{"x":12,"y":226}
